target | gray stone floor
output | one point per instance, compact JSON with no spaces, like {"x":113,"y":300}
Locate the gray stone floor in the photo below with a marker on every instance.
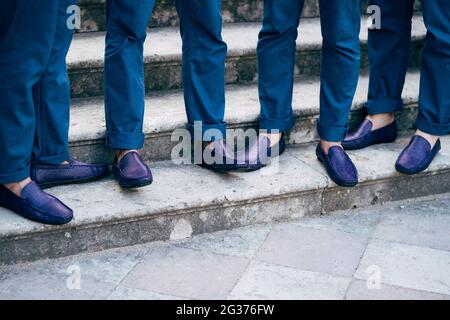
{"x":395,"y":251}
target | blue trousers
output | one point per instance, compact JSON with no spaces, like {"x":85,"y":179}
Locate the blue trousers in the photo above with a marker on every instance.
{"x":389,"y":57}
{"x":204,"y":54}
{"x":34,"y":86}
{"x":340,"y":21}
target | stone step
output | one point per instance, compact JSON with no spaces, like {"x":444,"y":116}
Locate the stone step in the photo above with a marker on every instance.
{"x":165,"y":113}
{"x":186,"y":200}
{"x":163,"y":56}
{"x":93,"y":12}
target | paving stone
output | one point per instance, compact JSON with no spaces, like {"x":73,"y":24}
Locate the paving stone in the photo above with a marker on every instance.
{"x":106,"y":266}
{"x":268,"y":281}
{"x":408,"y":266}
{"x":358,"y":290}
{"x":426,"y":224}
{"x":331,"y":252}
{"x":99,"y":273}
{"x":43,"y":283}
{"x":186,"y":273}
{"x":361,"y":222}
{"x":124,"y":293}
{"x":241,"y":242}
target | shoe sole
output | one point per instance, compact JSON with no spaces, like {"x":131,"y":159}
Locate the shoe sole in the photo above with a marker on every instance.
{"x":68,"y":182}
{"x":369,"y":145}
{"x":135,"y":186}
{"x":39,"y":219}
{"x":408,"y":172}
{"x":345,"y":185}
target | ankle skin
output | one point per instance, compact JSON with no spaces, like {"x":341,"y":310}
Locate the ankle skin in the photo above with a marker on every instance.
{"x":381,"y":120}
{"x":326,"y":145}
{"x":17,"y":187}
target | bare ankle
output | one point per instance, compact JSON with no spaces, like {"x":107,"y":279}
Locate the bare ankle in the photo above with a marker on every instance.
{"x":381,"y":120}
{"x":122,"y":153}
{"x":17,"y":187}
{"x":430,"y":138}
{"x":273,"y":137}
{"x":326,"y":145}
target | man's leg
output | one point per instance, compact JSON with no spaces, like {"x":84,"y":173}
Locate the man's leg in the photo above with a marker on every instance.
{"x":204,"y":54}
{"x":27,"y":31}
{"x":124,"y":88}
{"x":50,"y":161}
{"x":388,"y":59}
{"x":340,"y":20}
{"x":52,"y":97}
{"x":434,"y":102}
{"x":276,"y":62}
{"x":434,"y":98}
{"x":124,"y":72}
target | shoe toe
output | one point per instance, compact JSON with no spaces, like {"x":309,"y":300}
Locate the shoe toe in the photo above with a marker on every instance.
{"x":100,"y":170}
{"x":132,"y":171}
{"x":341,"y":167}
{"x":413,"y":158}
{"x":404,"y":163}
{"x":348,"y":175}
{"x":136,"y":172}
{"x":43,"y":207}
{"x":58,"y":212}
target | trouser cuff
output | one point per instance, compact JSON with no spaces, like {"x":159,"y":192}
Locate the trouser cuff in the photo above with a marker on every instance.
{"x":331,"y":134}
{"x":280,"y":125}
{"x":432,"y":128}
{"x":52,"y":160}
{"x":378,"y":106}
{"x":124,"y":140}
{"x":208,"y":132}
{"x":15,"y":177}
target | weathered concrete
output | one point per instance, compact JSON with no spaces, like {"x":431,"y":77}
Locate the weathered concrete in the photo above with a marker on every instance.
{"x":408,"y":266}
{"x":358,"y":291}
{"x":163,"y":56}
{"x":227,"y":264}
{"x":331,"y":252}
{"x":188,"y":200}
{"x":264,"y":281}
{"x":191,"y":279}
{"x":93,"y":12}
{"x":165,"y":113}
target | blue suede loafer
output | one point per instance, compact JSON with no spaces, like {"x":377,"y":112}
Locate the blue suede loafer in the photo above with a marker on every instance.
{"x":222,"y":158}
{"x":417,"y":156}
{"x":73,"y":172}
{"x":339,"y":166}
{"x":364,"y":136}
{"x":260,"y":153}
{"x":132,"y":172}
{"x":36,"y":205}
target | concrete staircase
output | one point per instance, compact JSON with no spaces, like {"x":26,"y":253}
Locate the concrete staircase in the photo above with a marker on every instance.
{"x":187,"y":200}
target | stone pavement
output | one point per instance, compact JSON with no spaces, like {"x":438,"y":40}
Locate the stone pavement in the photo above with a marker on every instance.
{"x":400,"y":250}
